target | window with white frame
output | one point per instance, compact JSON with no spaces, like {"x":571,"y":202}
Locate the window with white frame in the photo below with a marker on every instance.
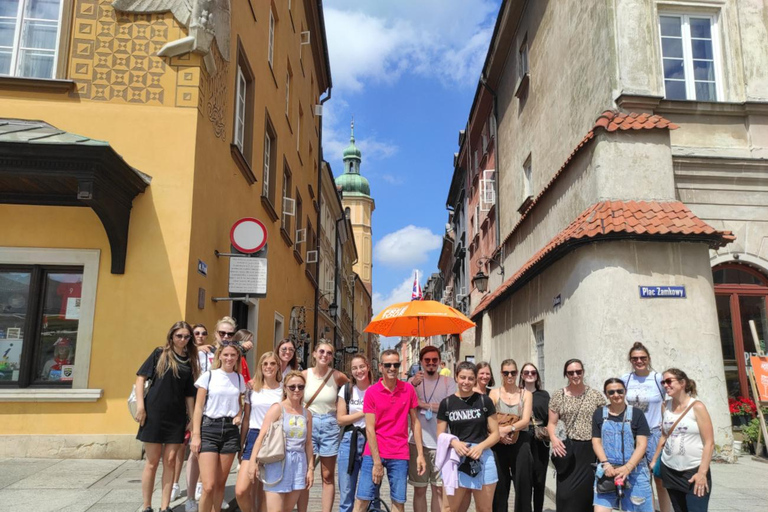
{"x":240,"y":109}
{"x":522,"y":61}
{"x":690,"y":57}
{"x":30,"y":34}
{"x":269,"y":174}
{"x":538,"y":336}
{"x":271,"y":47}
{"x":288,"y":93}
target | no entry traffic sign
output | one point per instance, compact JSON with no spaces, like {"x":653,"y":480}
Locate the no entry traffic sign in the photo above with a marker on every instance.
{"x":248,"y":235}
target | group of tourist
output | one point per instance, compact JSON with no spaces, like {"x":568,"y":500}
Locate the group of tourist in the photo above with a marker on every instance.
{"x":459,"y":435}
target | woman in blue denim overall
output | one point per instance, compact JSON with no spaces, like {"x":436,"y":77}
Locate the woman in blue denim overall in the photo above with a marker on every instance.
{"x":619,"y":439}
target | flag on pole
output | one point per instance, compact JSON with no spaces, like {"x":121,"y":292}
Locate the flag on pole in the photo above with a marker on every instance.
{"x":416,"y":293}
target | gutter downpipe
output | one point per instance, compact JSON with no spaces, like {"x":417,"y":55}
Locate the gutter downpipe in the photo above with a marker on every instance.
{"x":320,"y":161}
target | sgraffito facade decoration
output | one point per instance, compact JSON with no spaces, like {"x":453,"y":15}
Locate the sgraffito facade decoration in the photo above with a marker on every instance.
{"x":212,"y":101}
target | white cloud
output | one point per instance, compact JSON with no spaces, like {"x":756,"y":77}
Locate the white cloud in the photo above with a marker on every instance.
{"x":392,"y":179}
{"x":379,"y":41}
{"x":406,"y":247}
{"x":400,"y":293}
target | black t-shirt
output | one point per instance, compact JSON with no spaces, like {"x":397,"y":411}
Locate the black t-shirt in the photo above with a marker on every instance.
{"x":168,"y":392}
{"x":467,"y":418}
{"x":541,"y":407}
{"x":639,"y":424}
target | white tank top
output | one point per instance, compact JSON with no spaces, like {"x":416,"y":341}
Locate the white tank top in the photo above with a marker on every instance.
{"x":684,"y":446}
{"x":325,"y":401}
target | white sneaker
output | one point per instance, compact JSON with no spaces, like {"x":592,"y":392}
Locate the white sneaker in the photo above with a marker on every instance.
{"x":224,"y":505}
{"x":175,"y":491}
{"x":190,"y":506}
{"x":198,"y":491}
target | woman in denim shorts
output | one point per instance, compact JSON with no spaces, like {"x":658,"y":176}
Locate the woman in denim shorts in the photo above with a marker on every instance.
{"x":326,"y":434}
{"x":286,"y":480}
{"x":215,"y":434}
{"x":471,"y":417}
{"x":266,"y":389}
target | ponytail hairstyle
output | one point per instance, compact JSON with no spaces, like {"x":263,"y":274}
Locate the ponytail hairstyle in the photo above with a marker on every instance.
{"x":360,"y":355}
{"x":167,"y":360}
{"x":639,"y":347}
{"x":242,"y":336}
{"x":680,"y":375}
{"x":483,"y":364}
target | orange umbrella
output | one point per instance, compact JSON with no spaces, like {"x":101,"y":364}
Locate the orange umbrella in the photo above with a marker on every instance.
{"x":419,"y":318}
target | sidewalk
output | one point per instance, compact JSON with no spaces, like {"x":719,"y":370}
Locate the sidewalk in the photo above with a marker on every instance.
{"x":51,"y":485}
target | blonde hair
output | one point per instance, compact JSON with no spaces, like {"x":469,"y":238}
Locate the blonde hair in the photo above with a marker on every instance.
{"x":290,"y":376}
{"x":257,"y":382}
{"x":226,"y":320}
{"x":318,"y":345}
{"x":217,"y":357}
{"x":167,"y":361}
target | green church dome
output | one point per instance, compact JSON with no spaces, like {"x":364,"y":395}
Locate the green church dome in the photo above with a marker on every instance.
{"x":351,"y":182}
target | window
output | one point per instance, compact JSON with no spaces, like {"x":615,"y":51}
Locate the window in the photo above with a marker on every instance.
{"x":522,"y":61}
{"x":689,"y":57}
{"x":299,"y":236}
{"x":285,"y":222}
{"x":271,"y":47}
{"x":240,"y":109}
{"x":311,"y":246}
{"x":538,"y":336}
{"x":528,"y":178}
{"x":288,"y":93}
{"x":31,"y":37}
{"x":279,"y":327}
{"x":299,"y":122}
{"x":270,"y":164}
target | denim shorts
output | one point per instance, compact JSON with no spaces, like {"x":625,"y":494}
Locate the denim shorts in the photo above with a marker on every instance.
{"x":636,"y":499}
{"x":253,"y":434}
{"x":487,"y":476}
{"x":219,"y":435}
{"x":294,"y":474}
{"x":326,"y":435}
{"x":397,"y":475}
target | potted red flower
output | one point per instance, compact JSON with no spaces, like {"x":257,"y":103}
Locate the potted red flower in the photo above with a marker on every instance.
{"x":743,"y":409}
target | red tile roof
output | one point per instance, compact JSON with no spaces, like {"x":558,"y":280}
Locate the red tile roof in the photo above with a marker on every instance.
{"x":615,"y":220}
{"x":610,"y":121}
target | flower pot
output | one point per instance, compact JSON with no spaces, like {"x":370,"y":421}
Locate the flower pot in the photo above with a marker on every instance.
{"x":740,"y":420}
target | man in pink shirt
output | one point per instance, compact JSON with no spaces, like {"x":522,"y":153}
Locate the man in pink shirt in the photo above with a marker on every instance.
{"x":387,"y":405}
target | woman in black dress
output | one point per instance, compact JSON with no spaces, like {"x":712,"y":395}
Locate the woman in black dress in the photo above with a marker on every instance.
{"x":538,"y":438}
{"x":163,"y":413}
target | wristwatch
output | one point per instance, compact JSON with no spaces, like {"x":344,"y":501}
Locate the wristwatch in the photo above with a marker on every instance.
{"x":514,"y":429}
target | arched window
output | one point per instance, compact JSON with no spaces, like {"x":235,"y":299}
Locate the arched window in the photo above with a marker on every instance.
{"x":741,"y":293}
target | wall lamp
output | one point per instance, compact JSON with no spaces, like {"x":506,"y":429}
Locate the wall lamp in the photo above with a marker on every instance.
{"x":480,"y":280}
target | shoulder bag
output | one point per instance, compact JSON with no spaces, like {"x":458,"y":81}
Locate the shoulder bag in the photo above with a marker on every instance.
{"x":320,"y":388}
{"x":132,"y":405}
{"x":272,"y":448}
{"x":665,"y":436}
{"x":505,"y":420}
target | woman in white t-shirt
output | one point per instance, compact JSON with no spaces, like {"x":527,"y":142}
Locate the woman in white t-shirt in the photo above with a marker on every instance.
{"x":215,"y":434}
{"x":266,"y":389}
{"x":349,"y":413}
{"x":645,"y":392}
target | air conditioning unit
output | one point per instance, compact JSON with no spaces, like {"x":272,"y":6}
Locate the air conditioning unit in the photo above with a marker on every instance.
{"x":289,"y":206}
{"x":487,"y":190}
{"x":305,"y":37}
{"x":301,"y":236}
{"x":318,"y":110}
{"x":311,"y":256}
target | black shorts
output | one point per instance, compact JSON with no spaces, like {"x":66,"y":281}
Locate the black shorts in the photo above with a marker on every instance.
{"x":219,"y":435}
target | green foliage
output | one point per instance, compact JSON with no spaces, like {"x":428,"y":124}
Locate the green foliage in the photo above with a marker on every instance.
{"x":750,"y":432}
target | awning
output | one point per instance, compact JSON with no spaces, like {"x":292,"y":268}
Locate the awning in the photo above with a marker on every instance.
{"x":42,"y":165}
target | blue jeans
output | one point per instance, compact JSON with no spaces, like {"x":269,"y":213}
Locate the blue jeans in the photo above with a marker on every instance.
{"x":397,"y":475}
{"x":347,"y":481}
{"x":326,"y":435}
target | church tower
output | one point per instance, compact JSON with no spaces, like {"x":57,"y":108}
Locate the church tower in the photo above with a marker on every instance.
{"x":356,"y":197}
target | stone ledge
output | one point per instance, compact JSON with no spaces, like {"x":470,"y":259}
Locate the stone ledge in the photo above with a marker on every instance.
{"x":50,"y":395}
{"x":85,"y":446}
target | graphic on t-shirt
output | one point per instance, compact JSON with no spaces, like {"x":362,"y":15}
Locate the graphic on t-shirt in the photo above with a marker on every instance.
{"x":675,"y":437}
{"x":297,"y":427}
{"x":641,"y":400}
{"x":465,"y":414}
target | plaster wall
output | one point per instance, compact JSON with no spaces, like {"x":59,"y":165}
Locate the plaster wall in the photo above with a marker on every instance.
{"x":571,"y":61}
{"x":601,"y":315}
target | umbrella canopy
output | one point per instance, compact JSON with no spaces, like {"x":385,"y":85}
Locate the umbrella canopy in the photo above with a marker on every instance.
{"x":419,"y":318}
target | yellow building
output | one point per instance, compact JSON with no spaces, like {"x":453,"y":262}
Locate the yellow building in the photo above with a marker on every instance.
{"x":129,"y":146}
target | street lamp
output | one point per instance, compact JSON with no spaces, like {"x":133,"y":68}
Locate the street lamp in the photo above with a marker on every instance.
{"x":333,"y":310}
{"x":480,"y":280}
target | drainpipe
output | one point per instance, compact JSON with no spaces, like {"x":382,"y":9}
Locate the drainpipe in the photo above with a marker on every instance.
{"x":319,"y":200}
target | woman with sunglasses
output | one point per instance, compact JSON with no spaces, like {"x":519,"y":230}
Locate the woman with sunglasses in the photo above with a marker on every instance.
{"x":538,"y":437}
{"x":162,"y":414}
{"x":645,"y":392}
{"x":218,"y":412}
{"x":485,"y":380}
{"x":349,"y":411}
{"x":471,"y":417}
{"x":265,"y":390}
{"x":320,"y":395}
{"x":687,"y":453}
{"x":572,"y":453}
{"x":619,"y":439}
{"x":286,"y":480}
{"x":244,"y":338}
{"x":224,"y":331}
{"x":286,"y":351}
{"x":513,"y":452}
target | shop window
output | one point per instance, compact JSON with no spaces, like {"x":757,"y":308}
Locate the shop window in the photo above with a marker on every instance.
{"x":39,"y":324}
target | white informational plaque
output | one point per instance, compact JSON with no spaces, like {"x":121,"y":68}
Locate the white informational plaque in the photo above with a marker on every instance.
{"x":248,"y":275}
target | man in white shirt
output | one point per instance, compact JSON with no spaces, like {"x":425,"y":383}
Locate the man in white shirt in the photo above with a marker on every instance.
{"x":431,"y":389}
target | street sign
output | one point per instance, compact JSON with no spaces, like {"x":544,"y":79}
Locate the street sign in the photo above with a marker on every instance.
{"x":248,"y":235}
{"x":248,"y":275}
{"x":202,"y":268}
{"x":662,"y":292}
{"x":350,"y":350}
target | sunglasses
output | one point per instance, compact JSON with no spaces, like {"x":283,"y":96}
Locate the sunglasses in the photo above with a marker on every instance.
{"x":433,"y":360}
{"x":612,"y":392}
{"x":530,"y":373}
{"x":182,"y":336}
{"x":225,"y":334}
{"x":390,"y":365}
{"x":269,"y":363}
{"x":296,"y":387}
{"x":201,"y":333}
{"x":287,"y":350}
{"x":668,"y":382}
{"x":322,"y":352}
{"x":509,"y":373}
{"x":574,"y":373}
{"x":639,"y":359}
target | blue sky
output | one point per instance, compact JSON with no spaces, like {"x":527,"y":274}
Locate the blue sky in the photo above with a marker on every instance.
{"x":407,"y":70}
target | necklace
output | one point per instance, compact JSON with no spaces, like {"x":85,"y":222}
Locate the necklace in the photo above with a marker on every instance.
{"x":466,"y":399}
